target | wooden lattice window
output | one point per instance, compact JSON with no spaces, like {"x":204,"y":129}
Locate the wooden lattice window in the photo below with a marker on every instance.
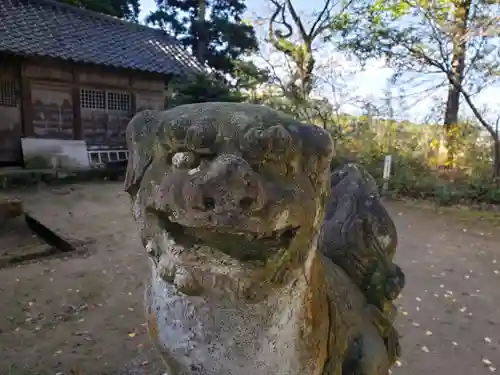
{"x":93,"y":99}
{"x":118,"y":101}
{"x":8,"y":93}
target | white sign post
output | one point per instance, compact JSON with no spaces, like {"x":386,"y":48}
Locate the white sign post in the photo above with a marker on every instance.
{"x":387,"y":172}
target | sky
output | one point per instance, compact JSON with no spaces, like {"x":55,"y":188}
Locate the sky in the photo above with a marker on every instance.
{"x":369,"y":83}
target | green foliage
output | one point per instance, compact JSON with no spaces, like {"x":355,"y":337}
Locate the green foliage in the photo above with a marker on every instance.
{"x":124,"y":9}
{"x":454,"y":41}
{"x":415,"y":171}
{"x":200,"y":89}
{"x":398,"y":9}
{"x":223,"y":34}
{"x":247,"y":75}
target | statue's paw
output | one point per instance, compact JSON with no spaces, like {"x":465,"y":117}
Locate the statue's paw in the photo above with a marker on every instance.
{"x":393,"y":345}
{"x":366,"y":355}
{"x":383,"y":320}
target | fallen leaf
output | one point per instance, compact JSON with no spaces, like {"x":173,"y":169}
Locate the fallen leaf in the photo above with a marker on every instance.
{"x":486,"y":361}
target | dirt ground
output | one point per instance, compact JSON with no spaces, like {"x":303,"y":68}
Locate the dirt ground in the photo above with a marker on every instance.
{"x":82,"y":314}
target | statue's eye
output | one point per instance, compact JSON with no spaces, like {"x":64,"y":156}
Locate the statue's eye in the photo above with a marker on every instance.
{"x":185,"y":160}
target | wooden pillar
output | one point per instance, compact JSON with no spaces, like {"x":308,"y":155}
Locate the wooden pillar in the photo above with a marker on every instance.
{"x":26,"y":107}
{"x":133,"y":102}
{"x":168,"y":91}
{"x":77,"y":109}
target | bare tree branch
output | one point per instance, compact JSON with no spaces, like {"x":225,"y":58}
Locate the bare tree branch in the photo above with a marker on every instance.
{"x":297,"y":21}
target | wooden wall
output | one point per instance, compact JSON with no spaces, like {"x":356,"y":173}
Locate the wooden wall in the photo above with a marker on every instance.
{"x":57,"y":99}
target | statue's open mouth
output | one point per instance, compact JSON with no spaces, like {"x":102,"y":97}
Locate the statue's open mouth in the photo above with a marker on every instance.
{"x":242,"y":245}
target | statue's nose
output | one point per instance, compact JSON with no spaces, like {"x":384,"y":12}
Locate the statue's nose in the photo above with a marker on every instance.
{"x":228,"y":185}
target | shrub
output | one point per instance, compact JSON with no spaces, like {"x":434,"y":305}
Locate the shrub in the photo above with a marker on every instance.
{"x":203,"y":88}
{"x":416,"y":176}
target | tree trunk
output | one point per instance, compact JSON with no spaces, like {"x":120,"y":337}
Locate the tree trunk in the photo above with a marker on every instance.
{"x":201,"y":32}
{"x":451,"y":125}
{"x":496,"y":159}
{"x":461,"y":15}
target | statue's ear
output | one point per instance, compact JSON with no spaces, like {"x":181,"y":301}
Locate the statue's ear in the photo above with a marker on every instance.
{"x":141,"y":134}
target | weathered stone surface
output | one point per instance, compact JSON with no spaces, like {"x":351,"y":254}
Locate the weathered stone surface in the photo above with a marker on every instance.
{"x":359,"y":236}
{"x":230,"y":201}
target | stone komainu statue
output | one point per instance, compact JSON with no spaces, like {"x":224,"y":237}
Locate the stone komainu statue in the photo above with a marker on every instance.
{"x":262,"y":261}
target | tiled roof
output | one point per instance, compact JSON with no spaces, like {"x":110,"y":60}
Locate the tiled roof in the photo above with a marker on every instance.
{"x":51,"y":29}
